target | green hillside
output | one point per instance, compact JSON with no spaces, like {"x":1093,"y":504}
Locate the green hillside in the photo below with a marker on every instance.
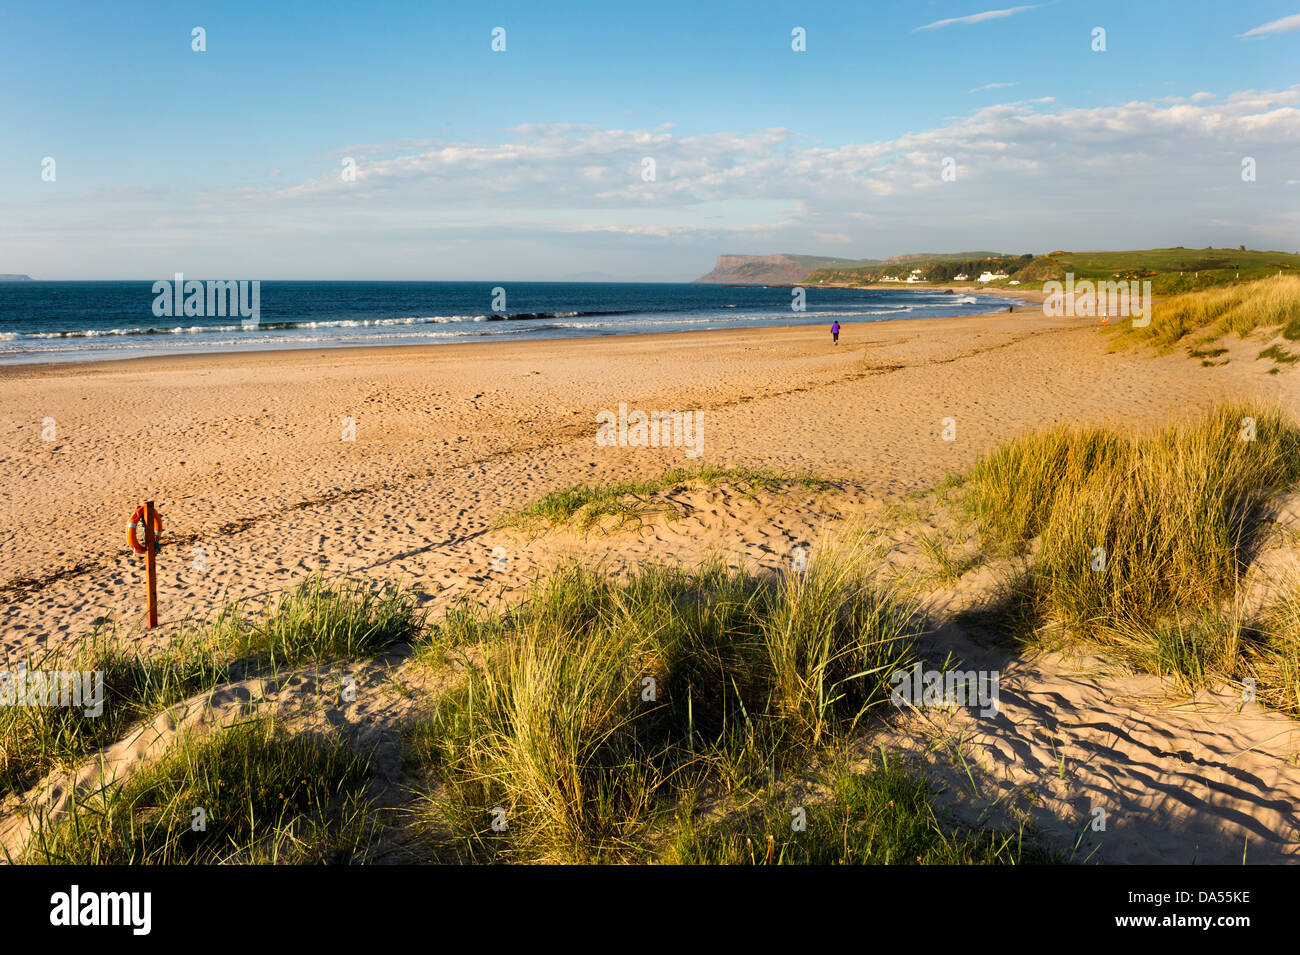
{"x":1177,"y":269}
{"x":1169,"y":270}
{"x":940,"y":267}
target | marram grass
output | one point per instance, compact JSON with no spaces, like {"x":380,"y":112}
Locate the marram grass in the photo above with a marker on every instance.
{"x":600,"y":704}
{"x":1139,"y":541}
{"x":1274,"y":653}
{"x":322,"y":620}
{"x":882,"y":816}
{"x":37,"y":739}
{"x":584,"y":506}
{"x":1198,"y":318}
{"x":266,"y":797}
{"x":315,"y":622}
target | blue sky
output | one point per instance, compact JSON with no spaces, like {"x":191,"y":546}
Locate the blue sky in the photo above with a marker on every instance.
{"x":527,"y":163}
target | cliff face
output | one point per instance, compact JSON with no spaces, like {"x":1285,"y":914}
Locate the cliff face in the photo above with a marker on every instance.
{"x":779,"y":269}
{"x":756,"y":270}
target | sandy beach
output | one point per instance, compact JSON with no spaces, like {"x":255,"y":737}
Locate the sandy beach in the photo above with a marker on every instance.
{"x":397,"y":463}
{"x":246,"y":457}
{"x":518,"y":437}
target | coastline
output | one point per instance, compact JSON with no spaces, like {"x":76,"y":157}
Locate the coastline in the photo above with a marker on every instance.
{"x":1027,"y":294}
{"x":398,"y":464}
{"x":332,"y":540}
{"x":375,"y":316}
{"x":17,"y":370}
{"x":464,"y":433}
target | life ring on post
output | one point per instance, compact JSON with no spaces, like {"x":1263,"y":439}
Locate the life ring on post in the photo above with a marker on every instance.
{"x":137,"y":524}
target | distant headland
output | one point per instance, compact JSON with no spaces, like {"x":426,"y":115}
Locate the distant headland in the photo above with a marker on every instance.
{"x":1172,"y":270}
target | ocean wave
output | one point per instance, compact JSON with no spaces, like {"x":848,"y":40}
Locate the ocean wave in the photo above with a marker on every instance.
{"x":311,"y":324}
{"x":265,"y":329}
{"x":527,"y":316}
{"x":701,"y":315}
{"x":234,"y":335}
{"x":303,"y":341}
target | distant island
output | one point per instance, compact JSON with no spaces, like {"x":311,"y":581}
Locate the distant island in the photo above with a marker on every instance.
{"x":14,"y":277}
{"x":1170,"y":270}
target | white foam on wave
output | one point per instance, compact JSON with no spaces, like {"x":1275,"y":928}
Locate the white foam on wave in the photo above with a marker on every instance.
{"x":338,"y":332}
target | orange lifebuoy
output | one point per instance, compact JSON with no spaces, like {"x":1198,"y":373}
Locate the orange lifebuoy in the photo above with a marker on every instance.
{"x":137,"y":522}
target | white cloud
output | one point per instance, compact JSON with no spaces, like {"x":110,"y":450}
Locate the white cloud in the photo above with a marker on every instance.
{"x":1285,"y":25}
{"x":992,"y":86}
{"x":1202,"y":97}
{"x":1031,"y":175}
{"x":976,"y":18}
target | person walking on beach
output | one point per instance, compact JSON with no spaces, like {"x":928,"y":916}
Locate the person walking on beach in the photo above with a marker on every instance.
{"x":835,"y":332}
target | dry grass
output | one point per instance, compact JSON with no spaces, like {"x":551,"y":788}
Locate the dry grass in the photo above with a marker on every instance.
{"x":601,"y":705}
{"x":1139,"y":539}
{"x":1241,"y":309}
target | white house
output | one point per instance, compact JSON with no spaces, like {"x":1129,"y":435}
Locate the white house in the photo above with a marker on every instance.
{"x":889,"y":278}
{"x":963,"y":277}
{"x":990,"y":276}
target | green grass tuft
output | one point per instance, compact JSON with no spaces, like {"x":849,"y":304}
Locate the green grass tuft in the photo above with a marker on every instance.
{"x":1275,"y":654}
{"x":600,"y":703}
{"x":37,"y":739}
{"x":882,"y":817}
{"x":1139,"y":537}
{"x":319,"y":621}
{"x":630,"y":502}
{"x":267,"y":797}
{"x":316,"y":622}
{"x":1279,"y":355}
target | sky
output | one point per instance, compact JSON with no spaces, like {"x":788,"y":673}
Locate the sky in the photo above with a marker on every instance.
{"x":633,"y":142}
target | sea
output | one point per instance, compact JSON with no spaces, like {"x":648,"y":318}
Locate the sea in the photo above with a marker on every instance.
{"x":82,"y":321}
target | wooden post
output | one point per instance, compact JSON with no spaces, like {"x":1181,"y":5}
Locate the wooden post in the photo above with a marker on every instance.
{"x":150,"y":566}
